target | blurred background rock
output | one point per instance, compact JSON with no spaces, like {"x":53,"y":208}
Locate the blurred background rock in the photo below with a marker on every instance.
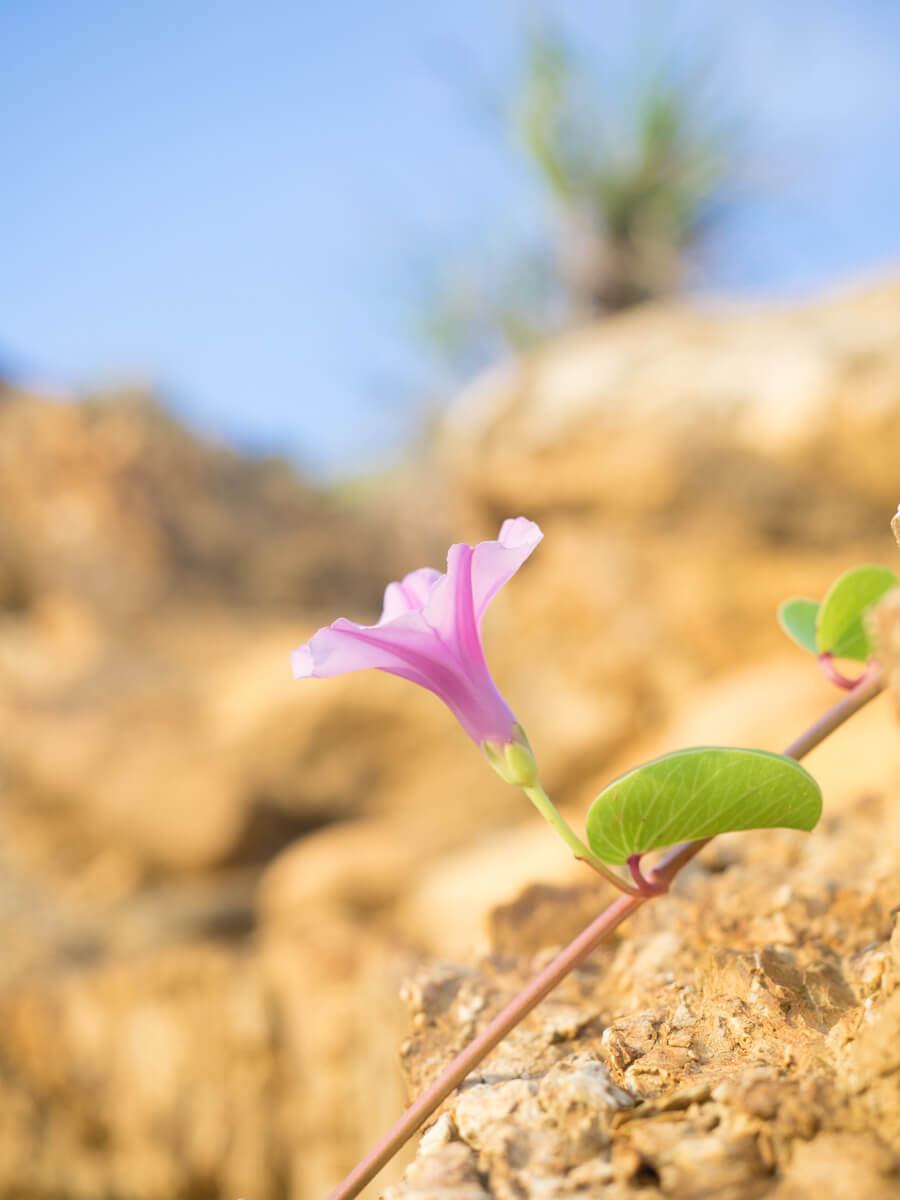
{"x":213,"y":879}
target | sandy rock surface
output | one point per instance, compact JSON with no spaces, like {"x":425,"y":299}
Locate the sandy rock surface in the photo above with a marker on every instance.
{"x":736,"y":1039}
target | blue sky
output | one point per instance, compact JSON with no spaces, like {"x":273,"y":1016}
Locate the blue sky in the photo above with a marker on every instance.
{"x":232,"y":199}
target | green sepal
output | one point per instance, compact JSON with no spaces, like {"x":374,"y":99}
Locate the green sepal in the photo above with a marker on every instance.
{"x":513,"y":761}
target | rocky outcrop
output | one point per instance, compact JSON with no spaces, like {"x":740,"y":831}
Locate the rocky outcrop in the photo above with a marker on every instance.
{"x":212,"y":879}
{"x":114,"y":504}
{"x":780,"y":423}
{"x":887,"y":629}
{"x":736,"y":1039}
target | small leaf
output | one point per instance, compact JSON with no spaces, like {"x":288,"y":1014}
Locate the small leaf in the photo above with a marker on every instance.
{"x":797,"y":618}
{"x":840,"y":629}
{"x":698,"y":793}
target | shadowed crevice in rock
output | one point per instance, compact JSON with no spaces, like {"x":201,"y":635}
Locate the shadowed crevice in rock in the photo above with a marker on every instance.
{"x":269,"y":828}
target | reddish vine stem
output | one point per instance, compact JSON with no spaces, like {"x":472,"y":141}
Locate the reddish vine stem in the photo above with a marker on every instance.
{"x":833,"y":675}
{"x":868,"y":686}
{"x":646,"y":887}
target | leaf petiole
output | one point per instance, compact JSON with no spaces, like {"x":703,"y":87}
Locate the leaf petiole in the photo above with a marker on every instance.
{"x":554,"y":817}
{"x":833,"y":675}
{"x":646,"y":887}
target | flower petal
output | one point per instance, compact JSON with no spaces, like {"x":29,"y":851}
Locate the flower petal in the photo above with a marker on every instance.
{"x":429,"y":632}
{"x":449,"y":610}
{"x":474,"y":576}
{"x":406,"y":646}
{"x":494,"y":563}
{"x":410,"y":648}
{"x":302,"y":662}
{"x":410,"y":594}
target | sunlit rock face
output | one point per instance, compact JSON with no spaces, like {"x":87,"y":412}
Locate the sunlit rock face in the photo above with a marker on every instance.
{"x":781,"y":421}
{"x":886,"y":622}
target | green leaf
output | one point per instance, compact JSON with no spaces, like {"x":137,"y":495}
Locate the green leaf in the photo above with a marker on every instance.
{"x":797,"y":618}
{"x":698,"y":793}
{"x":840,"y":629}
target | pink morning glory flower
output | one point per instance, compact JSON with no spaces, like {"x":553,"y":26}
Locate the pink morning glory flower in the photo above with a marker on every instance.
{"x":430,"y":633}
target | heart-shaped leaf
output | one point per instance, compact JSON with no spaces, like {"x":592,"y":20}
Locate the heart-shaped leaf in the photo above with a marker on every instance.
{"x":797,"y":618}
{"x":697,"y":793}
{"x":841,"y":629}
